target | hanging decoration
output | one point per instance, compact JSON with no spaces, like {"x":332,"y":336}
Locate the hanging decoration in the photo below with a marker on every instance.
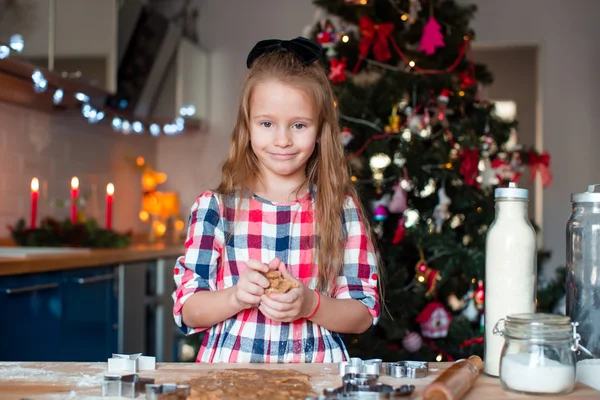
{"x":413,"y":11}
{"x":374,"y":36}
{"x":432,"y":38}
{"x":394,"y":121}
{"x":440,"y":212}
{"x":505,"y":171}
{"x":434,"y":320}
{"x":540,"y":163}
{"x":469,"y":165}
{"x":346,"y":136}
{"x":398,"y":204}
{"x":378,"y":163}
{"x":412,"y":342}
{"x":400,"y":231}
{"x":426,"y":275}
{"x":337,"y":73}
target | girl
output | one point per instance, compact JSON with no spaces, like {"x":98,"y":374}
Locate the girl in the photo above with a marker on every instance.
{"x":285,"y":202}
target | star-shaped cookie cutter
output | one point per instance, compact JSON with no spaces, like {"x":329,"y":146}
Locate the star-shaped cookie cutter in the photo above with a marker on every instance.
{"x":359,"y":366}
{"x":407,"y":369}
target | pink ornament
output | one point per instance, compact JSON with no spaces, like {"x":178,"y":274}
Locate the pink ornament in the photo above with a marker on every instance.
{"x":381,"y":213}
{"x":412,"y":342}
{"x":432,"y":37}
{"x":398,"y":202}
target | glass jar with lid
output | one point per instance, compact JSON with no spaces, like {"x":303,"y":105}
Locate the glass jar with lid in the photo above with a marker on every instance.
{"x":538,"y":356}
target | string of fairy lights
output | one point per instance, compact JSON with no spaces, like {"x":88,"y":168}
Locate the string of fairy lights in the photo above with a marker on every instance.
{"x":119,"y":123}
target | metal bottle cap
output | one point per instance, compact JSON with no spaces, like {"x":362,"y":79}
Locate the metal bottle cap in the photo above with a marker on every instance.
{"x":587,"y":197}
{"x":511,"y":192}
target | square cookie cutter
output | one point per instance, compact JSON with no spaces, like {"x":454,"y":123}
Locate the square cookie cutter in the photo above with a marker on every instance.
{"x":131,"y":363}
{"x":359,"y":366}
{"x":129,"y":386}
{"x":169,"y":391}
{"x":407,"y":369}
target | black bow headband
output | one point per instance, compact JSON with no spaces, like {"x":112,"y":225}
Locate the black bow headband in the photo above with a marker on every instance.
{"x":307,"y":51}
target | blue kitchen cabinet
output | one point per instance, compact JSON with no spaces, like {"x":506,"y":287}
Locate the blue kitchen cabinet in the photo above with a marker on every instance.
{"x":31,"y":313}
{"x":90,"y":314}
{"x":59,"y":316}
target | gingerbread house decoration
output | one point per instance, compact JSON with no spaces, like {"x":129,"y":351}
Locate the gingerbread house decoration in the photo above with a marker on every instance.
{"x":435,"y":320}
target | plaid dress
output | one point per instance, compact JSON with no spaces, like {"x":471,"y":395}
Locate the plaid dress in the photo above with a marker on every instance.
{"x":264,"y":230}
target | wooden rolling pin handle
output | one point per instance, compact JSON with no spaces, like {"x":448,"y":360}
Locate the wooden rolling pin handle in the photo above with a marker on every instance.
{"x":454,"y":382}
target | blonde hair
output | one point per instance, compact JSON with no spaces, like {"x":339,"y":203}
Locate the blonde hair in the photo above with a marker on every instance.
{"x":326,"y":169}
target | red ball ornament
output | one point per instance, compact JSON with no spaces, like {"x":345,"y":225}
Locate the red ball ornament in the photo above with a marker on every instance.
{"x":479,"y":293}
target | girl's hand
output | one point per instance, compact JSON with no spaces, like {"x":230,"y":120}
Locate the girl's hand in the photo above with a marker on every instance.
{"x":287,"y":307}
{"x":251,"y":284}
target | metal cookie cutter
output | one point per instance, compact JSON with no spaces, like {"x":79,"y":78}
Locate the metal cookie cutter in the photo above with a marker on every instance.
{"x":407,"y":369}
{"x":168,"y":390}
{"x":365,"y":386}
{"x":358,"y":366}
{"x":124,"y":385}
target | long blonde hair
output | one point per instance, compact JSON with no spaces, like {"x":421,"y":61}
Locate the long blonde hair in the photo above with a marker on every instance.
{"x":327,"y":169}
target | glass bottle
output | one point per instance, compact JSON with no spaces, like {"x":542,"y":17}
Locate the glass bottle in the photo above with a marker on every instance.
{"x":510,"y":268}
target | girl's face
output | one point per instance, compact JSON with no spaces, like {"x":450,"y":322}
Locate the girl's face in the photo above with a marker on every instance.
{"x":283,"y":129}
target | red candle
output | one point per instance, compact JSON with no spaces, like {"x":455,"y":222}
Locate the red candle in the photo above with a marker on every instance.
{"x":35,"y":187}
{"x":74,"y":196}
{"x":110,"y":192}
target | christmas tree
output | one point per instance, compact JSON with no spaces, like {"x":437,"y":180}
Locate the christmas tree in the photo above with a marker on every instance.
{"x":426,"y":152}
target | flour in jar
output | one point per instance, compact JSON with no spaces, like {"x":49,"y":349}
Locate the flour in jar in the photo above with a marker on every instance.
{"x":525,"y":373}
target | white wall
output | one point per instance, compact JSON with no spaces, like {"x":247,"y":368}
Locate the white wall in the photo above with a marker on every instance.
{"x":566,"y":33}
{"x":567,"y":36}
{"x":228,"y":29}
{"x":83,"y":27}
{"x":56,"y":146}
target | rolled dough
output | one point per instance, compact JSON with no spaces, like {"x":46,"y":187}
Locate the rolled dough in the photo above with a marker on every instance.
{"x":252,"y":384}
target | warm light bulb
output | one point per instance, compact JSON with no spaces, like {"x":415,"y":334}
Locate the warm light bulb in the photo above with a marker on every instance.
{"x":345,"y":38}
{"x":412,"y":64}
{"x":144,"y":216}
{"x":110,"y":189}
{"x":404,"y":17}
{"x":74,"y":182}
{"x":179,"y":225}
{"x":35,"y":184}
{"x":160,"y":228}
{"x":353,"y":178}
{"x":140,"y":161}
{"x":461,"y":93}
{"x":439,"y":358}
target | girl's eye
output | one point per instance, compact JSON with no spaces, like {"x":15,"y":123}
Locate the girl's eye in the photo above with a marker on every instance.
{"x":266,"y":124}
{"x":299,"y":126}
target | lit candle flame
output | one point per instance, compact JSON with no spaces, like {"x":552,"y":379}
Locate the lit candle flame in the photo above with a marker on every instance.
{"x":35,"y":185}
{"x":74,"y":182}
{"x":110,"y":189}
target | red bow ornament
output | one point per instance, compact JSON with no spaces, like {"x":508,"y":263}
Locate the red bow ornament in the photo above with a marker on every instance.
{"x":376,"y":35}
{"x":540,"y":163}
{"x":337,"y":67}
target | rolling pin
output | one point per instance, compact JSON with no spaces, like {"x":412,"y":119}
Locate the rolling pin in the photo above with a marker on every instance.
{"x":454,"y":382}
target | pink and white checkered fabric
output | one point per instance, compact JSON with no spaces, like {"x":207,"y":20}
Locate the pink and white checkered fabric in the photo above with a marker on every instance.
{"x":263,"y":230}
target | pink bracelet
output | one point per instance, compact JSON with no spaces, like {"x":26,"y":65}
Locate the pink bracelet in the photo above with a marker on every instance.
{"x":317,"y":307}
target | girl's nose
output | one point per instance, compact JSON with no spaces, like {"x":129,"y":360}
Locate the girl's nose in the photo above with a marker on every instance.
{"x":283,"y":138}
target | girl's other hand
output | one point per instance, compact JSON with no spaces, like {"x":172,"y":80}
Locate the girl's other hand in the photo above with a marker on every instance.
{"x":251,"y":285}
{"x":287,"y":307}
